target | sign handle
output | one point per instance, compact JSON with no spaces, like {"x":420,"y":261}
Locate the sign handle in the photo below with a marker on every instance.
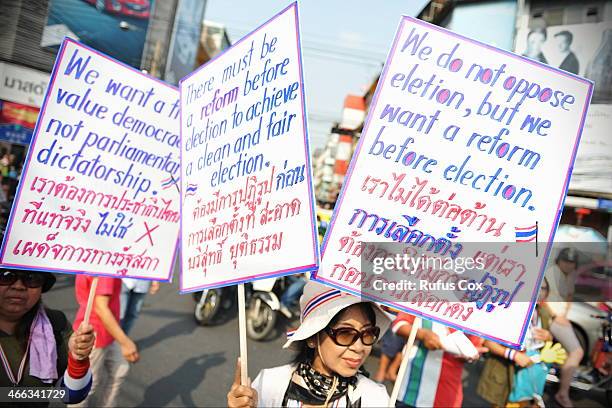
{"x":90,"y":299}
{"x":244,"y":373}
{"x":416,"y":325}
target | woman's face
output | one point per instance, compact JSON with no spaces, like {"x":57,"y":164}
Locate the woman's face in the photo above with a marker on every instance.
{"x":343,"y":360}
{"x":17,"y":299}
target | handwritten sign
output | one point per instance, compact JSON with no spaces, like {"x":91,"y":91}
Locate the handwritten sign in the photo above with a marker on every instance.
{"x":464,"y":158}
{"x":247,"y":201}
{"x":99,"y":191}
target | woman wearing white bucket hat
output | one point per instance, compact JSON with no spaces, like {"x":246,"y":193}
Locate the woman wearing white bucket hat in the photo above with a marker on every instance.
{"x":336,"y":335}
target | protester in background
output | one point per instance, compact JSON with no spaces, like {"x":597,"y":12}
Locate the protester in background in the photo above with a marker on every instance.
{"x":433,"y":377}
{"x":390,"y":352}
{"x":561,"y":278}
{"x":335,"y":337}
{"x":3,"y":195}
{"x":292,"y":294}
{"x":114,"y":350}
{"x":535,"y":40}
{"x":5,"y":163}
{"x":570,"y":62}
{"x":37,"y":345}
{"x":133,"y":292}
{"x":9,"y":188}
{"x":511,"y":376}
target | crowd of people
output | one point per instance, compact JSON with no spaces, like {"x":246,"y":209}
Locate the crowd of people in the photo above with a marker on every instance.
{"x":337,"y":332}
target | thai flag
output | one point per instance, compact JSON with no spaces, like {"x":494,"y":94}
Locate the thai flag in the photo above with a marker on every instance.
{"x":191,"y":189}
{"x":526,"y":234}
{"x":290,"y":333}
{"x":319,"y":300}
{"x":169,"y":182}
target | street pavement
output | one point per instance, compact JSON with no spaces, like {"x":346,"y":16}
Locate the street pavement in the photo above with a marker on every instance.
{"x":183,"y":364}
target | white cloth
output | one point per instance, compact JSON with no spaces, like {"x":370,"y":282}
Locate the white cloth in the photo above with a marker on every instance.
{"x":109,"y":370}
{"x":136,"y":285}
{"x":271,"y":385}
{"x":561,"y":286}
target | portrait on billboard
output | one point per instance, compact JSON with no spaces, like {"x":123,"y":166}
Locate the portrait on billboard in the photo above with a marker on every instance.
{"x":582,"y":49}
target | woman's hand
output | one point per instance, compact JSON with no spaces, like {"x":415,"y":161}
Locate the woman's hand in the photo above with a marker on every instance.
{"x":241,"y":396}
{"x":522,"y":360}
{"x":82,"y":342}
{"x":541,"y":334}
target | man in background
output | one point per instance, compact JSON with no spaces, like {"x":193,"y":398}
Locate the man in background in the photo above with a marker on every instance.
{"x":113,"y":350}
{"x":570,"y":62}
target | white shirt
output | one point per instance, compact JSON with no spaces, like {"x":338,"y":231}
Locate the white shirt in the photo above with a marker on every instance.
{"x":561,"y":286}
{"x":136,"y":285}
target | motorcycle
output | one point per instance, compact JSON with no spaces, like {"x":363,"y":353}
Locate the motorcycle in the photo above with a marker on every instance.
{"x":210,"y":302}
{"x":264,"y":307}
{"x":597,"y":374}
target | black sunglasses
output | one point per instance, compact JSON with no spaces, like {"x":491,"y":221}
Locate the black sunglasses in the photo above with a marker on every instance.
{"x":29,"y":279}
{"x":347,"y":336}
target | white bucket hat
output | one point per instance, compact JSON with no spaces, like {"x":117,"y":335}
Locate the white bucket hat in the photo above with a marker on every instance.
{"x":318,"y":306}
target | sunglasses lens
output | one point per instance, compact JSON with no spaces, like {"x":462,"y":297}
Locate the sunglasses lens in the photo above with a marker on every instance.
{"x":370,"y":336}
{"x":7,"y":277}
{"x":346,"y":337}
{"x":33,"y":280}
{"x":29,"y":279}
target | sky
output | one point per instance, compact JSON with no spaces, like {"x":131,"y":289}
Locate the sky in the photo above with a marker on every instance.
{"x":344,"y":46}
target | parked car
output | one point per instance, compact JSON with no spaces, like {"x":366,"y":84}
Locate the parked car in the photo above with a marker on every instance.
{"x":130,"y":8}
{"x":586,"y":327}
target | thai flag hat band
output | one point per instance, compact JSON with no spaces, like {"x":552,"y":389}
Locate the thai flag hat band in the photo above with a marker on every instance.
{"x":319,"y":304}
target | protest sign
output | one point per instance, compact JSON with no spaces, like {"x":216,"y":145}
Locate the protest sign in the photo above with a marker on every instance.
{"x":99,"y":192}
{"x":462,"y":167}
{"x":247,"y":200}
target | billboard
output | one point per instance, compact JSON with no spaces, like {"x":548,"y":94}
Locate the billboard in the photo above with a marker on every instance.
{"x":21,"y":94}
{"x":115,"y":27}
{"x":17,"y":122}
{"x":582,"y":49}
{"x":586,"y":50}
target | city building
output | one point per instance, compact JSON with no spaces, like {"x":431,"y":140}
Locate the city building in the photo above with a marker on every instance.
{"x":213,"y":41}
{"x":32,"y":31}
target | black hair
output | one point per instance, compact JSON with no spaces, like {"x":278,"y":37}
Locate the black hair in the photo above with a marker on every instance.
{"x":568,"y":255}
{"x":568,"y":36}
{"x":538,"y":30}
{"x":365,"y":307}
{"x":306,"y":354}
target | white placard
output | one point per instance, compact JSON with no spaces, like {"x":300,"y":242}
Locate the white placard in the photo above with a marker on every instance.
{"x":99,"y":193}
{"x":247,"y":200}
{"x":464,"y":143}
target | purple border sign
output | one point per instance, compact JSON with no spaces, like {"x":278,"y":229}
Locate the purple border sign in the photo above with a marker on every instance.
{"x":99,"y":192}
{"x":465,"y":146}
{"x":247,"y":196}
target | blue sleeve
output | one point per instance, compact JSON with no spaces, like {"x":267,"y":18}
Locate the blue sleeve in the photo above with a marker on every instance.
{"x":76,"y":389}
